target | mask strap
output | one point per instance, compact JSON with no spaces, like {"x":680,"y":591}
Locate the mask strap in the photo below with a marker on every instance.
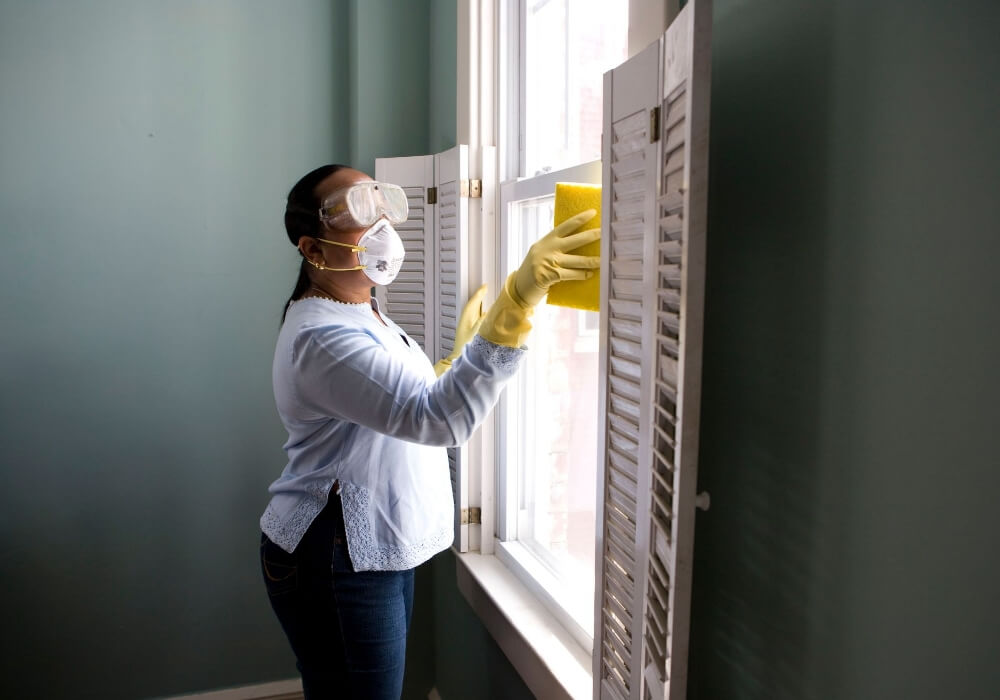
{"x":355,"y":248}
{"x":334,"y":269}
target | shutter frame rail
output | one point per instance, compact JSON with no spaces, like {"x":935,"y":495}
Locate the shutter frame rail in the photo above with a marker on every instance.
{"x":652,"y":309}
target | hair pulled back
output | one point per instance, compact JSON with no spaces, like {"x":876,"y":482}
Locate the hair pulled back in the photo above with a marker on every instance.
{"x":302,"y":219}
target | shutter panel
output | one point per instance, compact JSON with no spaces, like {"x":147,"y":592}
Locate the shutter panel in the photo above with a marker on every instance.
{"x":680,"y":289}
{"x":452,"y":225}
{"x":407,"y":299}
{"x":651,"y":360}
{"x":629,"y":177}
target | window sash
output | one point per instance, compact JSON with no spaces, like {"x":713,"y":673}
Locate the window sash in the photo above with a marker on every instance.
{"x":535,"y":569}
{"x":511,"y":192}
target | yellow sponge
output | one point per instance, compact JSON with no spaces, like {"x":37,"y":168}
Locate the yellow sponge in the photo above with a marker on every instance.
{"x":571,"y":199}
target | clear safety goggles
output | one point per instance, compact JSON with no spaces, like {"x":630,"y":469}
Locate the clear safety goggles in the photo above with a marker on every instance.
{"x":364,"y":203}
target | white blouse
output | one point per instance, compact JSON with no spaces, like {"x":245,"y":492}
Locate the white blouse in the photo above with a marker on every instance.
{"x":363,"y":407}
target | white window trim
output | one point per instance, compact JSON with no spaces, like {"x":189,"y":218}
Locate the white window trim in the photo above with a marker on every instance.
{"x":547,"y":656}
{"x":547,"y":589}
{"x":523,"y":562}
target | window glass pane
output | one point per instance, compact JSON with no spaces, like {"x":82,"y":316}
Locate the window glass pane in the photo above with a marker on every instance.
{"x":557,"y":416}
{"x":569,"y":44}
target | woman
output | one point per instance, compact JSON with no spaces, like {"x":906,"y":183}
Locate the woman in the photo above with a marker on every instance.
{"x":366,"y":494}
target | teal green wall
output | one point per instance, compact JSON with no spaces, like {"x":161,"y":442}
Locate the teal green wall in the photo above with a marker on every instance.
{"x":389,"y":90}
{"x":145,"y":153}
{"x":441,"y":124}
{"x":850,"y":379}
{"x":466,"y":655}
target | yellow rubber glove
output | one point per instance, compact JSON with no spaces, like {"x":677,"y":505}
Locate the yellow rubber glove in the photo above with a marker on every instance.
{"x":466,"y":327}
{"x":548,"y":261}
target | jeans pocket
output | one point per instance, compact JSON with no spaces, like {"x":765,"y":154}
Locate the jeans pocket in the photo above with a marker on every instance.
{"x":280,"y":569}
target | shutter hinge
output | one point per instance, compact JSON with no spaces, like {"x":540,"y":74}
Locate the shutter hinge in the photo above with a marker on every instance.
{"x":654,"y":124}
{"x":432,"y":195}
{"x":472,"y":516}
{"x":471,"y":188}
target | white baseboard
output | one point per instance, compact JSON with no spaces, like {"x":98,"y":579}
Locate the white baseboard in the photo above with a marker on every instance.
{"x":277,"y":690}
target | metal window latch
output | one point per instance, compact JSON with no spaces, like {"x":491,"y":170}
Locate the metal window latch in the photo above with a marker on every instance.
{"x":432,"y":195}
{"x":654,"y":124}
{"x":472,"y":516}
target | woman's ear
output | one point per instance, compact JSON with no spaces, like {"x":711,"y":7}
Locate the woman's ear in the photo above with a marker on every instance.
{"x":310,"y":249}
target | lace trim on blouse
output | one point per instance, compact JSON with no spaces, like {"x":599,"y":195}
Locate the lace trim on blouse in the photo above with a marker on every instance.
{"x":500,"y":356}
{"x":287,"y":531}
{"x":365,"y":555}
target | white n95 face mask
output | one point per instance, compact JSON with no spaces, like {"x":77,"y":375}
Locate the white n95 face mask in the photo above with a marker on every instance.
{"x":380,"y":253}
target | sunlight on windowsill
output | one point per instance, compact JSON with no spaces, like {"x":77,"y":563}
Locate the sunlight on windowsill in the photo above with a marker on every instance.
{"x":548,"y":658}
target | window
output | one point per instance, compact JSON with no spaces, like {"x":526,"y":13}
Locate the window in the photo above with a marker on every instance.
{"x":567,"y":47}
{"x":554,"y":55}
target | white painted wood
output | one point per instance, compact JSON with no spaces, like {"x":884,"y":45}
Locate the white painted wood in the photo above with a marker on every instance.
{"x":569,"y":605}
{"x":406,"y":300}
{"x":476,"y":74}
{"x":683,"y":204}
{"x":507,"y":502}
{"x":451,"y":168}
{"x":482,"y":447}
{"x":510,"y":192}
{"x":509,"y":79}
{"x":628,"y":224}
{"x":467,"y":71}
{"x":544,"y":653}
{"x":652,"y":310}
{"x":647,"y":20}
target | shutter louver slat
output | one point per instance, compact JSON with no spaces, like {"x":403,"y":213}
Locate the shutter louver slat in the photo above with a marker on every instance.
{"x":607,"y":690}
{"x":447,"y":296}
{"x":652,"y":309}
{"x":451,"y":264}
{"x":669,"y":274}
{"x":679,"y":298}
{"x":406,"y":300}
{"x":629,"y":167}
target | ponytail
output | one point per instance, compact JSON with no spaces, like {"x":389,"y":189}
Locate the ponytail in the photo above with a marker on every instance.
{"x":300,"y":288}
{"x":302,"y":219}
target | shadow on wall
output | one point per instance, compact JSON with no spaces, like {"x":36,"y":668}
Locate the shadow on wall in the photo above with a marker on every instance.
{"x":765,"y":595}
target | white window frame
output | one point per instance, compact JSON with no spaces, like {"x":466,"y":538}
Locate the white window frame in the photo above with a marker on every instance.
{"x":547,"y":656}
{"x":526,"y":564}
{"x":529,"y":565}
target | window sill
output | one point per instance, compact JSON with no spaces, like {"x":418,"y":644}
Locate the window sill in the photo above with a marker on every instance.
{"x":548,"y":658}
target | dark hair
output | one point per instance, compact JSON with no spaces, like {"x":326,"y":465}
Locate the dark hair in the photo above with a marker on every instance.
{"x":302,"y":219}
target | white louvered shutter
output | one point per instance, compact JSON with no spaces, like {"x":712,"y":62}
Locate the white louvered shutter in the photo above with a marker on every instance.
{"x":407,"y":301}
{"x":451,"y":169}
{"x":629,"y":177}
{"x":653,"y":299}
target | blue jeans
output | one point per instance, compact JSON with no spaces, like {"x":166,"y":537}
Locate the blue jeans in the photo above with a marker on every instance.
{"x":347,"y":628}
